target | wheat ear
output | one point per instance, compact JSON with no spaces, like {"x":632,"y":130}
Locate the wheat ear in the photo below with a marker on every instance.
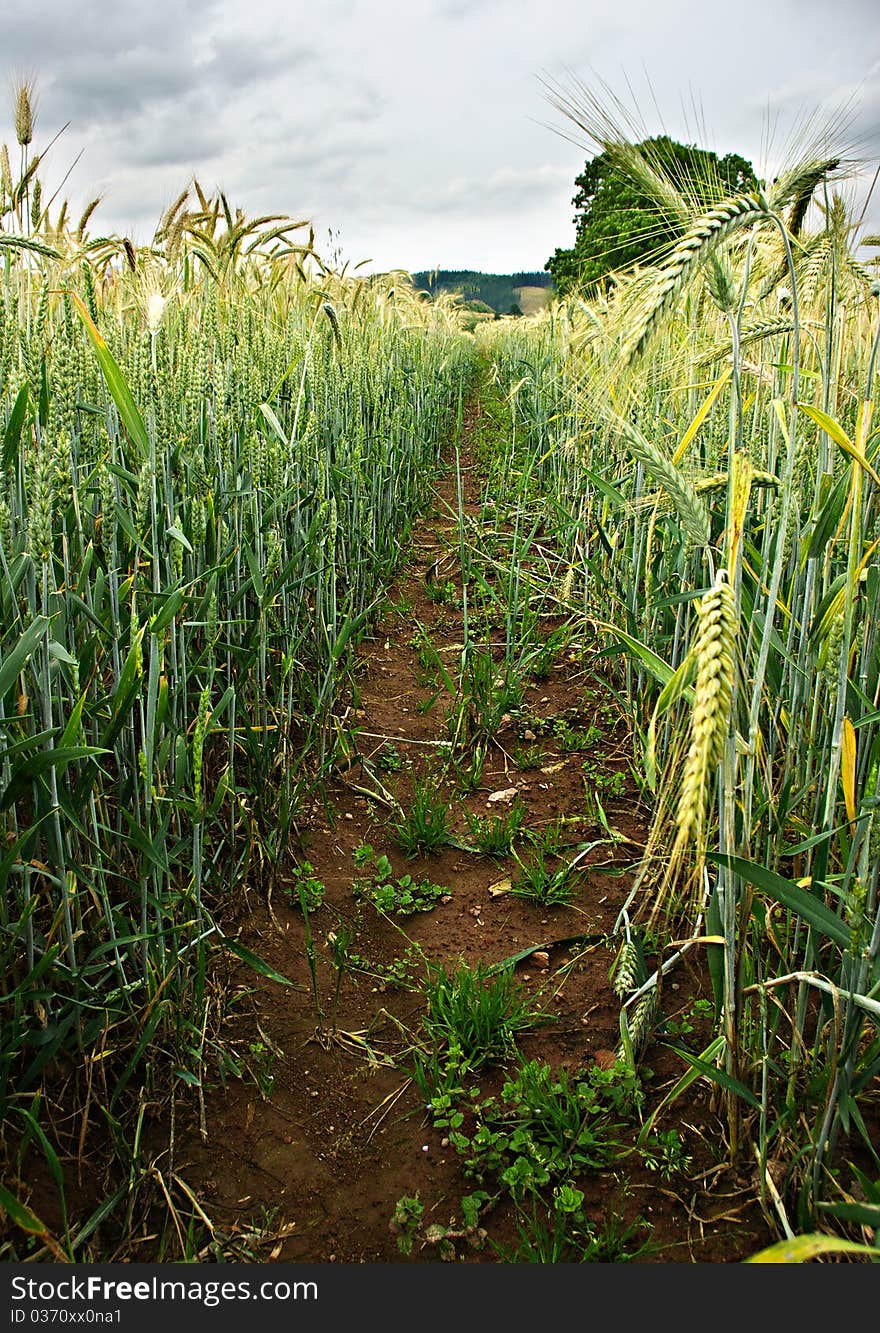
{"x":713,"y":650}
{"x":690,"y":507}
{"x":706,"y":233}
{"x":797,"y":187}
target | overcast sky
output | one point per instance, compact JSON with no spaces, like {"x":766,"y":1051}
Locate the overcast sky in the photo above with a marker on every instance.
{"x":419,"y":131}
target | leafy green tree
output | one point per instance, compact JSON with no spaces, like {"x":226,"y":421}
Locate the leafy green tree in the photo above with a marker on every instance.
{"x":620,"y":220}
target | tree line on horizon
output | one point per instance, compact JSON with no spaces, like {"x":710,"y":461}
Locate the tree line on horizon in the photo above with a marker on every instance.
{"x":495,"y":291}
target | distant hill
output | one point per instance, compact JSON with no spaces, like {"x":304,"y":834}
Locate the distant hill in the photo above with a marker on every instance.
{"x":505,"y":293}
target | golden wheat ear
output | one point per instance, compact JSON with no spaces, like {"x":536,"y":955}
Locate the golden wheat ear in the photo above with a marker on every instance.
{"x":24,"y":112}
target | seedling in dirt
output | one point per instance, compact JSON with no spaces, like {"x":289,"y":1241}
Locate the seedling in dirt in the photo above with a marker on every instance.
{"x":543,"y":1131}
{"x":540,"y":884}
{"x":477,"y":1012}
{"x":610,"y":781}
{"x":485,"y":695}
{"x":340,"y":941}
{"x":553,"y":837}
{"x":408,"y":1213}
{"x":402,"y":896}
{"x":495,"y":835}
{"x":684,"y":1024}
{"x":531,"y":722}
{"x":388,"y":759}
{"x":399,"y":973}
{"x":442,"y":592}
{"x":405,"y":896}
{"x":665,"y":1154}
{"x":426,"y":826}
{"x":527,"y":757}
{"x":562,"y":1233}
{"x":306,"y":888}
{"x":572,"y":738}
{"x":311,"y":953}
{"x":430,"y":665}
{"x":432,"y":673}
{"x":540,"y":659}
{"x":599,"y":707}
{"x":469,"y":771}
{"x":445,"y":1237}
{"x":594,"y":813}
{"x":264,"y":1065}
{"x":408,"y":1225}
{"x":439,"y":1074}
{"x":364,"y":854}
{"x":308,"y":891}
{"x":573,"y":1126}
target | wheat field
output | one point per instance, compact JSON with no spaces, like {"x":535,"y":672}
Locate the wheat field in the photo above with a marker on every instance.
{"x":213,"y":449}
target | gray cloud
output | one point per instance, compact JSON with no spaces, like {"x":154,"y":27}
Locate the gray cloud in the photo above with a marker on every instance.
{"x":237,"y":60}
{"x":422,"y":133}
{"x":467,"y":9}
{"x":126,"y":86}
{"x":507,"y":190}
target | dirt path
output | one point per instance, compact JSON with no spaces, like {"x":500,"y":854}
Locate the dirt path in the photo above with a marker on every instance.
{"x":330,"y":1130}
